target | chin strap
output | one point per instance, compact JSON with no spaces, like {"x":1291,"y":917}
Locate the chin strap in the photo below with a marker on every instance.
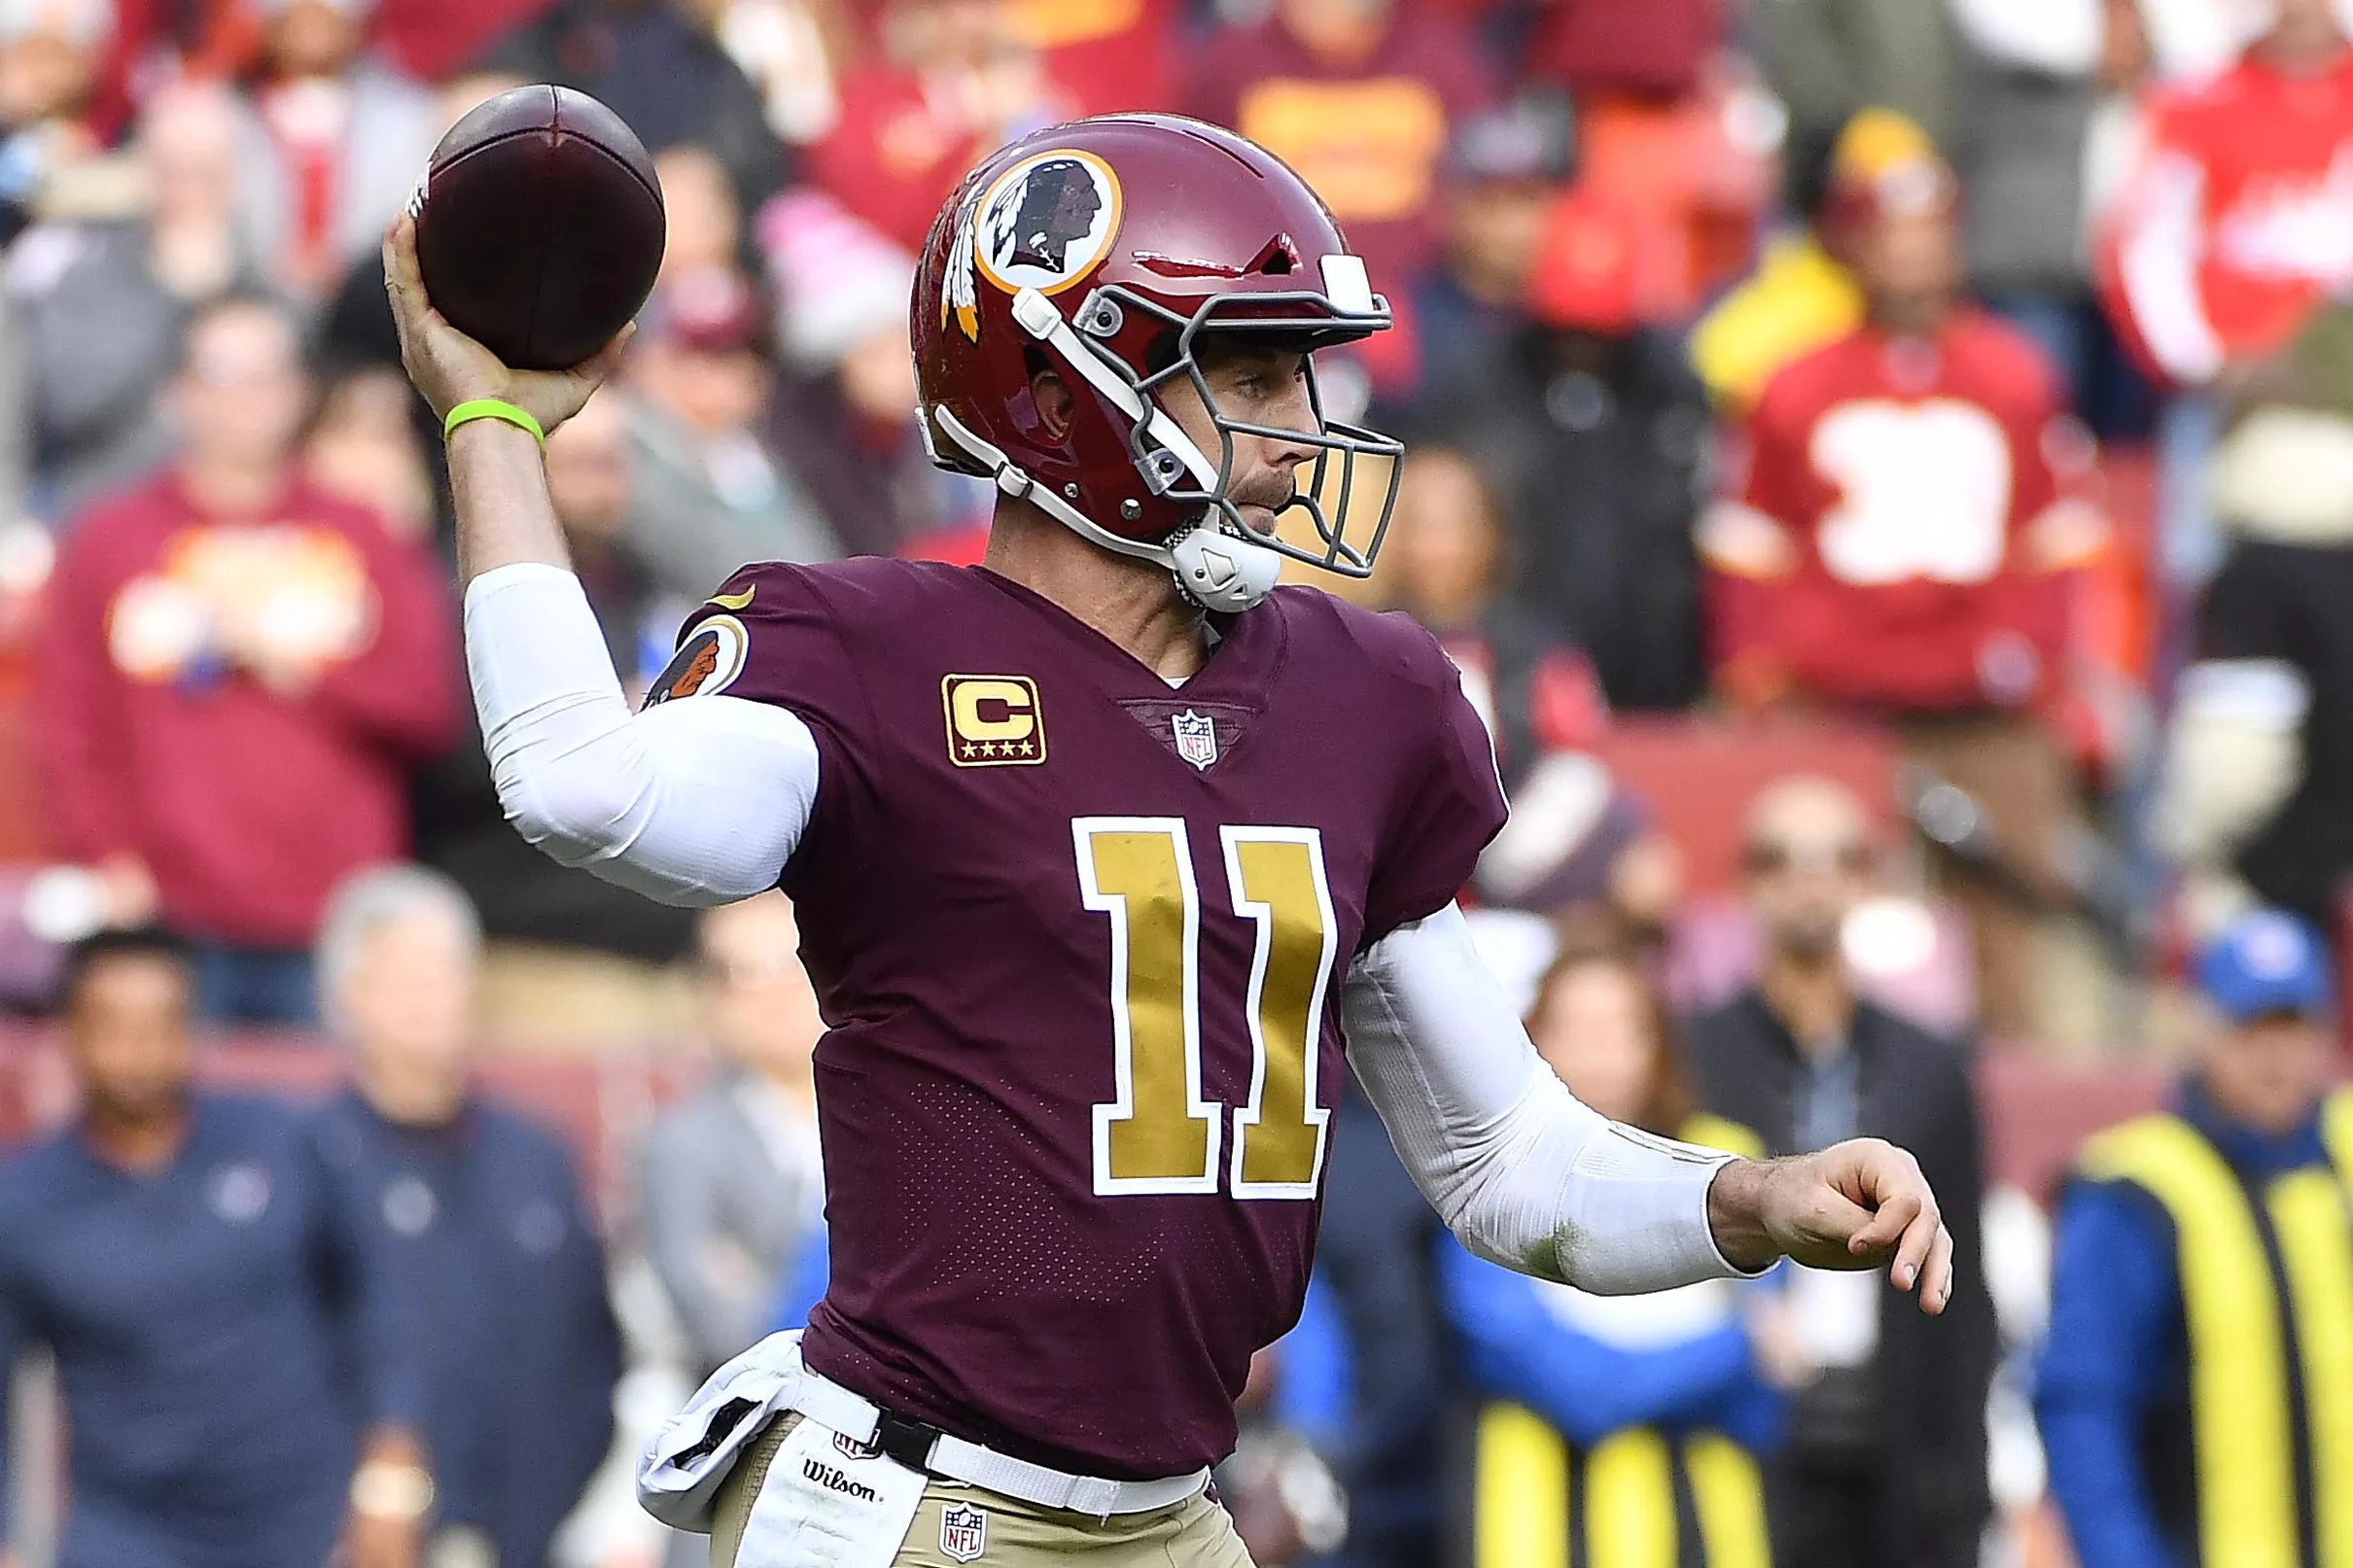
{"x":1221,"y":572}
{"x":1216,"y":571}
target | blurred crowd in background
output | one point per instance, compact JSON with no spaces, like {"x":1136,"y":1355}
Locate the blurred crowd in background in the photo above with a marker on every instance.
{"x":1884,"y":468}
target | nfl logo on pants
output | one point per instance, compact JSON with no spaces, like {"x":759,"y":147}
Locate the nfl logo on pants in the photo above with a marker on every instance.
{"x":964,"y":1531}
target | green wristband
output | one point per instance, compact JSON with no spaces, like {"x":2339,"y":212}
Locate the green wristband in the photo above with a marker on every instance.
{"x":474,"y":408}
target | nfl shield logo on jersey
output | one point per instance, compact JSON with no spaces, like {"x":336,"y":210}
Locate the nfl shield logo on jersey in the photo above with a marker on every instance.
{"x":1196,"y":738}
{"x":964,"y":1531}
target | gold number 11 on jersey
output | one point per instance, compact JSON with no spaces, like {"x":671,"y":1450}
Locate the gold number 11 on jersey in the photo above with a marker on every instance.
{"x":1160,"y":1135}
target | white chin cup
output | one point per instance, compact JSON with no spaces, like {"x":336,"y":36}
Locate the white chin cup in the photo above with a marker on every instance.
{"x":1227,"y":575}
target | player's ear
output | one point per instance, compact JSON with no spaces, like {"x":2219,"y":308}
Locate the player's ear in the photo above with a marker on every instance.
{"x":1052,"y":397}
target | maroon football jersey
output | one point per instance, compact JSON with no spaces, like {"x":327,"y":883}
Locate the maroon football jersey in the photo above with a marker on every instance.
{"x":1078,"y":937}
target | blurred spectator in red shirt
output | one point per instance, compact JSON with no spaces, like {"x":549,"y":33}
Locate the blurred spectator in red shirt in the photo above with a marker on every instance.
{"x":1503,"y":168}
{"x":222,"y":40}
{"x":658,"y":65}
{"x":1598,"y":433}
{"x":238,"y":667}
{"x":2229,"y":232}
{"x":1359,"y":96}
{"x":844,"y":410}
{"x":2227,"y":236}
{"x":1895,"y":539}
{"x":953,"y":83}
{"x":98,"y":305}
{"x":1802,"y":292}
{"x":1103,"y":56}
{"x":1606,"y":47}
{"x":1698,"y":169}
{"x":434,"y":40}
{"x":339,"y":142}
{"x":1891,"y":536}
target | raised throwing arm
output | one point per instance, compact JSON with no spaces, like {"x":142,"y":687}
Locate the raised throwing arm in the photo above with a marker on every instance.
{"x":696,"y":802}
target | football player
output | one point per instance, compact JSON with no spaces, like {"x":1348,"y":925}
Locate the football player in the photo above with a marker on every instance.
{"x":1112,"y":856}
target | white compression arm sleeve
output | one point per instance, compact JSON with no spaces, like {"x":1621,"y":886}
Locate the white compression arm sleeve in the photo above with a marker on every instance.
{"x":1525,"y":1174}
{"x":699,"y":801}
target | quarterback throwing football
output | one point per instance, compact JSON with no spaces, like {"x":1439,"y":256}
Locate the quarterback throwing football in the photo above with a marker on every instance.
{"x":1111,"y":855}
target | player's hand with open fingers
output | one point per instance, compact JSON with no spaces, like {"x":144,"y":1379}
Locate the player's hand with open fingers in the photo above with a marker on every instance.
{"x":450,"y":368}
{"x":1858,"y":1204}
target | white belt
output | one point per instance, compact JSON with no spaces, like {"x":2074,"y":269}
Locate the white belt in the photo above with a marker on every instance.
{"x":825,"y":1401}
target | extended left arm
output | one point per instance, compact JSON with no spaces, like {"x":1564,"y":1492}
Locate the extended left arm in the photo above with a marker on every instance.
{"x":1531,"y":1179}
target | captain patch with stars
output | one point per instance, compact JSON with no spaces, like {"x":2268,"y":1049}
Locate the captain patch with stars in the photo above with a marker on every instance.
{"x":706,"y":662}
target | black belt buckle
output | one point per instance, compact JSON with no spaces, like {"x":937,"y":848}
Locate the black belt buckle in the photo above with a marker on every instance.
{"x":909,"y":1442}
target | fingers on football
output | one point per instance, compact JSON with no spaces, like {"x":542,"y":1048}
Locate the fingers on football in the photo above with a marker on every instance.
{"x":401,"y":275}
{"x":405,"y":286}
{"x":600,"y":365}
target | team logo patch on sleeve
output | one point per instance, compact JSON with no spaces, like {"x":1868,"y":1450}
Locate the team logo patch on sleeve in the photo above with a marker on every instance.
{"x":708,"y":660}
{"x":964,"y":1532}
{"x":993,"y":720}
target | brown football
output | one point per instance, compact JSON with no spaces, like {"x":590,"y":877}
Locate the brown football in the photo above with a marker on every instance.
{"x":540,"y":225}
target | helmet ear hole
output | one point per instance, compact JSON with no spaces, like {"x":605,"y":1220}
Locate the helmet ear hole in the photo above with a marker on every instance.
{"x":1051,"y":395}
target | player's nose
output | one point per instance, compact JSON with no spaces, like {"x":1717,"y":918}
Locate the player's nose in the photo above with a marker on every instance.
{"x":1294,"y":415}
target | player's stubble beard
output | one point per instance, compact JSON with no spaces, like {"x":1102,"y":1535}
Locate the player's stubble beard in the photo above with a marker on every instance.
{"x":1262,"y":504}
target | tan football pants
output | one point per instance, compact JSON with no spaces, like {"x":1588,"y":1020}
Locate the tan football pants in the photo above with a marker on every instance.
{"x":1196,"y":1533}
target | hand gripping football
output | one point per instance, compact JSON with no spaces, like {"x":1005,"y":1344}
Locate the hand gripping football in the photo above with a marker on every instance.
{"x":539,"y":226}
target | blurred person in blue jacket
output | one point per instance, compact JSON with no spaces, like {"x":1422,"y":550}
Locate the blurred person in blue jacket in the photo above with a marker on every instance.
{"x":2195,"y":1397}
{"x":484,"y":1213}
{"x":238,"y":1364}
{"x":1613,"y":1432}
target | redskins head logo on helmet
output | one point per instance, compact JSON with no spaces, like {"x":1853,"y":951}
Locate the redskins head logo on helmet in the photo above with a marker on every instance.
{"x":1051,"y":208}
{"x":1113,"y":252}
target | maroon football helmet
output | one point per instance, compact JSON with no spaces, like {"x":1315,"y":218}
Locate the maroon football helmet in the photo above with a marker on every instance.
{"x":1103,"y":249}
